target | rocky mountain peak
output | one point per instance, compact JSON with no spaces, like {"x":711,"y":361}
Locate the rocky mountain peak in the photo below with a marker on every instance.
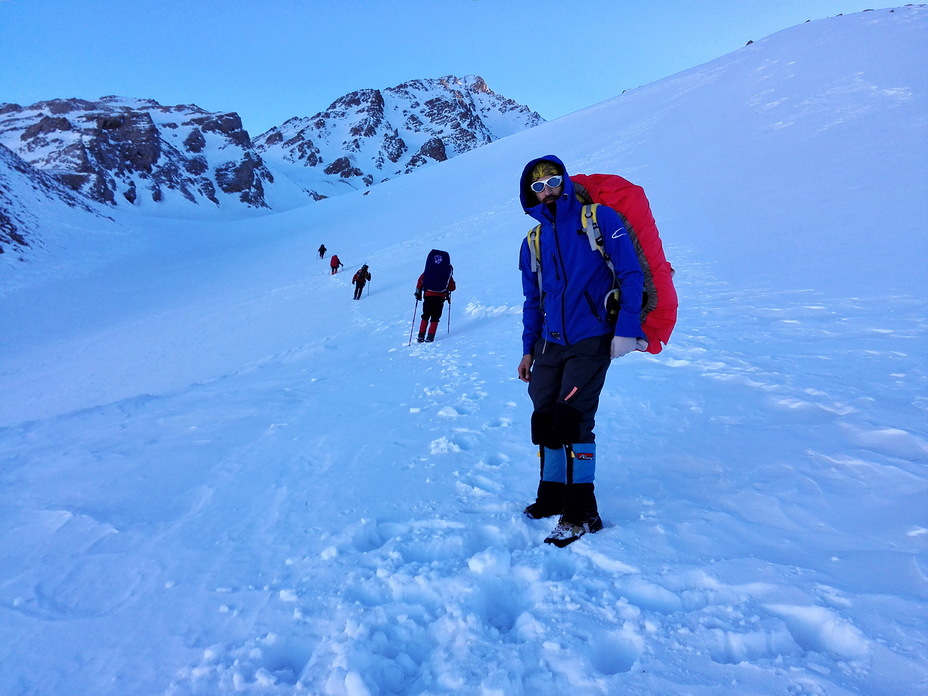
{"x":371,"y":135}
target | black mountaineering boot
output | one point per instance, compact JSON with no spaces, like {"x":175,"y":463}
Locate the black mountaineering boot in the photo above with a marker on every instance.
{"x":552,"y":486}
{"x":549,"y":501}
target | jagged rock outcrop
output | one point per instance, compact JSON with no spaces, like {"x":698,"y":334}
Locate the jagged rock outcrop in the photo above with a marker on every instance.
{"x":371,"y":135}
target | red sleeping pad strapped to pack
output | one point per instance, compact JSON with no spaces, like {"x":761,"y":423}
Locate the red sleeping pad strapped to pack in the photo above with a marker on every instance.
{"x":659,"y":312}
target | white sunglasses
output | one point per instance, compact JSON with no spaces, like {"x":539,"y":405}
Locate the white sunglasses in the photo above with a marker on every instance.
{"x":552,"y":182}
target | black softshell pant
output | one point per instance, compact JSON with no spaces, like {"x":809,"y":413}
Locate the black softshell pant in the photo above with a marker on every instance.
{"x":564,"y":388}
{"x":432,"y":306}
{"x":569,"y":377}
{"x":431,"y":313}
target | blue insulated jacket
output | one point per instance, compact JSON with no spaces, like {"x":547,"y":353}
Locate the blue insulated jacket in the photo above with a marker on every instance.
{"x":571,"y":305}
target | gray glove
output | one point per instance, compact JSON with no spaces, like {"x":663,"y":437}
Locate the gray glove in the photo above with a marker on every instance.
{"x":622,"y":345}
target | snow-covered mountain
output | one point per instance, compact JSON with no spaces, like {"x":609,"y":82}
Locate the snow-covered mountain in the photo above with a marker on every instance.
{"x":221,"y":475}
{"x":372,"y":135}
{"x":136,"y":153}
{"x":29,"y":199}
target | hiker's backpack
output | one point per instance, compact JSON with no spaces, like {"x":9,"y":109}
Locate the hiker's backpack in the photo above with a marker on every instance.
{"x":659,"y":304}
{"x":437,"y":273}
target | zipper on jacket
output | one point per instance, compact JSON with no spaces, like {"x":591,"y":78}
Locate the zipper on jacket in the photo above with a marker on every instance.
{"x":560,"y":258}
{"x":592,"y":306}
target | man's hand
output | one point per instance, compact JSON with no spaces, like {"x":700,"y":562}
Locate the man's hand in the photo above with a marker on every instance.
{"x":418,"y":295}
{"x":525,"y":367}
{"x":622,"y":345}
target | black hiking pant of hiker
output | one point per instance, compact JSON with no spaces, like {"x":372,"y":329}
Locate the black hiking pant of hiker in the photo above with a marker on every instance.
{"x":432,"y":307}
{"x":565,"y":387}
{"x":431,"y":313}
{"x":358,"y":289}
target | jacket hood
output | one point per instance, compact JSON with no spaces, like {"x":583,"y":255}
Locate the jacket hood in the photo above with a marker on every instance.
{"x":530,"y":203}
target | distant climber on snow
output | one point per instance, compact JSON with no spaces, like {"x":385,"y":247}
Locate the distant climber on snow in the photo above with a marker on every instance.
{"x":436,"y":285}
{"x":360,"y":279}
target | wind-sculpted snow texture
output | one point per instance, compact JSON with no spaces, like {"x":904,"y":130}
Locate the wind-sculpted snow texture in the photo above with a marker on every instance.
{"x":219,"y":474}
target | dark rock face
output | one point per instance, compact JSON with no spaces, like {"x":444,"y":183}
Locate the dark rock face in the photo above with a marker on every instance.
{"x":195,"y":142}
{"x":122,"y":151}
{"x":244,"y":178}
{"x":431,"y":151}
{"x":342,"y":167}
{"x":48,"y":124}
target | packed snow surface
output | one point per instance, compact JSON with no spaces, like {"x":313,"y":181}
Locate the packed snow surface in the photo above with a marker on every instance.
{"x":219,"y":474}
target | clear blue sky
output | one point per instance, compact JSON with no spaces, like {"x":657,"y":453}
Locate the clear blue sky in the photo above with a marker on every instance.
{"x":270,"y":60}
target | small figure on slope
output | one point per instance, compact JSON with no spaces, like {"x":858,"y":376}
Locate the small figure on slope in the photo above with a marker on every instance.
{"x":436,"y":285}
{"x":360,"y":280}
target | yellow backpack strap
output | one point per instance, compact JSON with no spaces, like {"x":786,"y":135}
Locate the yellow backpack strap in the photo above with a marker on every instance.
{"x":591,"y":227}
{"x":595,"y":237}
{"x":533,"y":245}
{"x":534,"y":251}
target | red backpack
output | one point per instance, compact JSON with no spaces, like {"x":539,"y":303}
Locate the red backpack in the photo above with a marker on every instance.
{"x":659,"y":309}
{"x":659,"y":305}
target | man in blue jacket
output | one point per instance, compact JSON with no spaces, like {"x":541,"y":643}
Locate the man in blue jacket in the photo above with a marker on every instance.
{"x":570,"y":335}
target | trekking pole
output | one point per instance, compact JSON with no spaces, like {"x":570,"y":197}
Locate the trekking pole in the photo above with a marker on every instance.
{"x":413,"y":321}
{"x":449,"y":313}
{"x":369,"y":294}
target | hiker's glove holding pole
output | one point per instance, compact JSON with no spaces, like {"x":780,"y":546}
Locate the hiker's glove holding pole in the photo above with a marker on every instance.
{"x":418,"y":295}
{"x":622,"y":345}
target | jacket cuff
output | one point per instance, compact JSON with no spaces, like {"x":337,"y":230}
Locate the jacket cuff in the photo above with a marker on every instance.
{"x":628,"y":325}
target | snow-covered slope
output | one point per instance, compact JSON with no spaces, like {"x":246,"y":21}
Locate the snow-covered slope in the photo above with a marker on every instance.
{"x":373,"y":135}
{"x":219,"y":474}
{"x":44,"y":221}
